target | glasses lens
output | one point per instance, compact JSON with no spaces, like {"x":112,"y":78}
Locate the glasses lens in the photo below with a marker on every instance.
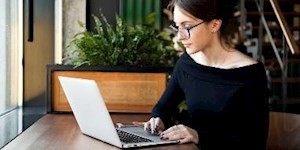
{"x":184,"y":34}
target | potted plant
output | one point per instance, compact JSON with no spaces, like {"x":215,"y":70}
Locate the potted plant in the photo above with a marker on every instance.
{"x":130,"y":63}
{"x":123,"y":45}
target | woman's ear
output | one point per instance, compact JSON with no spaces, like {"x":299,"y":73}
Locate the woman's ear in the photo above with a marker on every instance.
{"x":215,"y":25}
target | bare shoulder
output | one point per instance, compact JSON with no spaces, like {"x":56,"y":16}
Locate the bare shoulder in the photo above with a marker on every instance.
{"x":239,"y":59}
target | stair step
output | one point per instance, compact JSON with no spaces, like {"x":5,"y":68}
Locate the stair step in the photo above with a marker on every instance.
{"x":278,"y":28}
{"x":290,"y":100}
{"x":288,"y":80}
{"x":280,"y":1}
{"x":286,"y":14}
{"x":290,"y":60}
{"x":272,"y":65}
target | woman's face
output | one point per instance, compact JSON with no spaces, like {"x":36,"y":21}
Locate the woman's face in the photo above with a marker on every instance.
{"x":199,"y":37}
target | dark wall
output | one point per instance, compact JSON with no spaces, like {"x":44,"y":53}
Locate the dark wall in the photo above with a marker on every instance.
{"x":108,"y":7}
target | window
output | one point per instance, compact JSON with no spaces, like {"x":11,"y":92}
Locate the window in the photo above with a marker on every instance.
{"x":10,"y":69}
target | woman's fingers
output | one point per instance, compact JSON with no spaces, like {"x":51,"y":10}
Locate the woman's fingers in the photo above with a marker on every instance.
{"x":154,"y":125}
{"x":181,"y":133}
{"x":147,"y":125}
{"x":172,"y":129}
{"x":159,"y":126}
{"x":138,"y":123}
{"x":185,"y":140}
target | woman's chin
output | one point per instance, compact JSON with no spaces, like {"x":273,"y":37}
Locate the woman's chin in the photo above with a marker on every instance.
{"x":190,"y":51}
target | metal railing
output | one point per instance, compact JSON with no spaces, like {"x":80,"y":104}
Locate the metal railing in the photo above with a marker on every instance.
{"x":292,"y":45}
{"x":287,"y":43}
{"x":285,"y":28}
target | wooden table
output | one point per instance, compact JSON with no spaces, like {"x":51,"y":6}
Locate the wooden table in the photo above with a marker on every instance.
{"x":284,"y":131}
{"x":61,"y":132}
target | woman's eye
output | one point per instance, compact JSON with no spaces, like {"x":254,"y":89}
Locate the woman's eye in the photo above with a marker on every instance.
{"x":187,"y":26}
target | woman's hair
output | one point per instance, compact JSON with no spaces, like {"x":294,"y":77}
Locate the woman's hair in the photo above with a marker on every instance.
{"x":208,"y":10}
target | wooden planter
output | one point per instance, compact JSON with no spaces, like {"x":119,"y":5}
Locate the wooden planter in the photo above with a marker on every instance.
{"x":125,"y":89}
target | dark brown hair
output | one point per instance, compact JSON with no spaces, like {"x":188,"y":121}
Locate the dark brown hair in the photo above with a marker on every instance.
{"x":208,"y":10}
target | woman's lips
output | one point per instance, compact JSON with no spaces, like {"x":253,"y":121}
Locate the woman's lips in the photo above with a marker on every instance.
{"x":186,"y":45}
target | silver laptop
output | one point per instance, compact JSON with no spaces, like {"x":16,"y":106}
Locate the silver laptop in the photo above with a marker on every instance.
{"x":94,"y":120}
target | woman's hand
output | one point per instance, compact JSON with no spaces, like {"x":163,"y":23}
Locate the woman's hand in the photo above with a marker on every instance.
{"x":155,"y":125}
{"x":181,"y":133}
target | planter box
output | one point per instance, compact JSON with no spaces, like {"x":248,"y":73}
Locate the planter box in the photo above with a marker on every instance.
{"x":125,"y":89}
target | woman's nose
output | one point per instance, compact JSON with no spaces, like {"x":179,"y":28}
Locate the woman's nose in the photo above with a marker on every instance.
{"x":181,"y":36}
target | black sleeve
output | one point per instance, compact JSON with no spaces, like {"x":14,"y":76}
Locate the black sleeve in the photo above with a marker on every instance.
{"x":258,"y":111}
{"x":168,"y":103}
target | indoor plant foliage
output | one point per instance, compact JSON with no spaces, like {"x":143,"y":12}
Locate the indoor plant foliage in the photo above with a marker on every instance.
{"x":122,"y":45}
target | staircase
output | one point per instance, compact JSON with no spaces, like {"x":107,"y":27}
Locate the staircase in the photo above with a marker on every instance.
{"x":270,"y":31}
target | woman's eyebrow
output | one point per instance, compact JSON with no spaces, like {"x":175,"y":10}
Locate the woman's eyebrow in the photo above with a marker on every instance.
{"x":183,"y":23}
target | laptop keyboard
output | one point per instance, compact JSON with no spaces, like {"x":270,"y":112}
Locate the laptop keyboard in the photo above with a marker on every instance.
{"x":131,"y":138}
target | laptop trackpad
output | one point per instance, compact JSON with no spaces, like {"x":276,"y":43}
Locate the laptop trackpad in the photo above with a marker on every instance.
{"x":141,"y":132}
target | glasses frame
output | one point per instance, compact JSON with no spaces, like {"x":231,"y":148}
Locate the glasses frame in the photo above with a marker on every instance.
{"x":177,"y":29}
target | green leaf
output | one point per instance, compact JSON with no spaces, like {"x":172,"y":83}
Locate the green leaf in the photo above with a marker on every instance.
{"x":122,"y":44}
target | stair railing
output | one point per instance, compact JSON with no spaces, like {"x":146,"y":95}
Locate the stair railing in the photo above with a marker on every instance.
{"x":285,"y":28}
{"x":287,"y":36}
{"x":271,"y":39}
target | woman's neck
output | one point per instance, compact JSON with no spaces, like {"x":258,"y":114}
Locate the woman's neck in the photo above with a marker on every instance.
{"x":215,"y":56}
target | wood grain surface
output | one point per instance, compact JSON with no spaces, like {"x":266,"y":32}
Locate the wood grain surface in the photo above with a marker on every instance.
{"x":61,"y":132}
{"x":284,"y":131}
{"x":122,"y":92}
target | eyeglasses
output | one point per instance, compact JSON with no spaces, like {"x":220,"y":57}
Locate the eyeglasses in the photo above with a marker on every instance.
{"x":185,"y":31}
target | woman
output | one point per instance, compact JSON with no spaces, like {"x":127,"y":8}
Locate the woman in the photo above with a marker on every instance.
{"x":224,"y":90}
